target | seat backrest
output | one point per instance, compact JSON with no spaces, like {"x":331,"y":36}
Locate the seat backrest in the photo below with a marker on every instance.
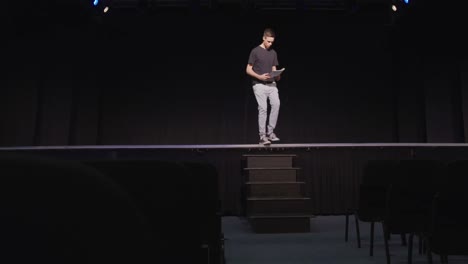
{"x":64,"y":212}
{"x":205,"y":177}
{"x":449,"y":230}
{"x":418,"y":174}
{"x":379,"y":172}
{"x":454,"y":180}
{"x":376,"y":179}
{"x":168,"y":194}
{"x":410,"y":195}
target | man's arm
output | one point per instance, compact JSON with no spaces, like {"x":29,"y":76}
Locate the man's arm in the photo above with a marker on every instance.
{"x":251,"y":72}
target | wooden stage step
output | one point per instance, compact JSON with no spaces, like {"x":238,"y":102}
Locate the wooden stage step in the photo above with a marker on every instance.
{"x":269,"y":160}
{"x":277,"y":205}
{"x":271,"y":174}
{"x":275,"y":189}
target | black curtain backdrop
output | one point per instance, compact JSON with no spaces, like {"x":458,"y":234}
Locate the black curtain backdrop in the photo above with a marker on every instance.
{"x":179,"y":78}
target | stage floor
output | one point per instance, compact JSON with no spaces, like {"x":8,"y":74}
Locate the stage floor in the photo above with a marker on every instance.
{"x":242,"y":146}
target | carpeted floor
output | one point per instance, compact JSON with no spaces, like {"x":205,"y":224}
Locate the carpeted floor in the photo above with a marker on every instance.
{"x":325,"y":244}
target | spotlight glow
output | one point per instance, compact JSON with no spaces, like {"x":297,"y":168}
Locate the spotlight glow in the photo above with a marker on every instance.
{"x":394,"y":8}
{"x":96,"y":2}
{"x":106,"y":9}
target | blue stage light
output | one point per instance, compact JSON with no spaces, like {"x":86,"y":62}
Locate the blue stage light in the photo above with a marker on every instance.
{"x":96,"y":2}
{"x":406,"y":1}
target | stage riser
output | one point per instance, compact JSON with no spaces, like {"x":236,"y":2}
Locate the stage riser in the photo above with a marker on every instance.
{"x":272,"y":175}
{"x":276,"y":200}
{"x":275,"y":190}
{"x":280,"y":225}
{"x":266,"y":207}
{"x":269,"y":162}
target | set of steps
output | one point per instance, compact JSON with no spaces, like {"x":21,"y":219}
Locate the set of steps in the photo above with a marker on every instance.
{"x":275,"y":200}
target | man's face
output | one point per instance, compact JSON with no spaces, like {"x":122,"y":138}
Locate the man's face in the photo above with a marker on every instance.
{"x":268,"y":41}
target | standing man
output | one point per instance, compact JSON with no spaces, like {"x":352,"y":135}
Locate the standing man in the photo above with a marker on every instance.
{"x":262,"y":61}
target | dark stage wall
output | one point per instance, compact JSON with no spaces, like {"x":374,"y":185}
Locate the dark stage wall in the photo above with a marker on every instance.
{"x":180,"y":79}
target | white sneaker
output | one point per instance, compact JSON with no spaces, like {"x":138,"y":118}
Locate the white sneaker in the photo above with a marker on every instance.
{"x":273,"y":137}
{"x":264,"y":141}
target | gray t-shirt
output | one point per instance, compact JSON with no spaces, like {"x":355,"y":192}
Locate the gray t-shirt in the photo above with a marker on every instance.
{"x":262,"y":60}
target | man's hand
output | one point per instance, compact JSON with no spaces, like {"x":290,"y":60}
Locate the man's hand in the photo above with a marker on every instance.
{"x":264,"y":77}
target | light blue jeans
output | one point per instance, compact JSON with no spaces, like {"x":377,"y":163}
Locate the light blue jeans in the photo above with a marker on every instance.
{"x":262,"y":93}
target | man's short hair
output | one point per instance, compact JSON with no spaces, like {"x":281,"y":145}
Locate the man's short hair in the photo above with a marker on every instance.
{"x":268,"y":32}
